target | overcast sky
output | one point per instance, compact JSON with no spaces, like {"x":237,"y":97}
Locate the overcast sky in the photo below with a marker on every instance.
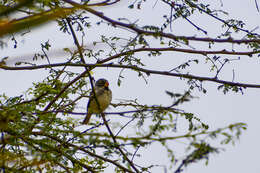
{"x":214,"y":108}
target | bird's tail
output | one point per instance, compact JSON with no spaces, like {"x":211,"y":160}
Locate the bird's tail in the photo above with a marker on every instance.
{"x":87,"y":118}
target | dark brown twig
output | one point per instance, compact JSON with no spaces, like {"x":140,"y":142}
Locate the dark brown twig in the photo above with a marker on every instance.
{"x":136,"y":68}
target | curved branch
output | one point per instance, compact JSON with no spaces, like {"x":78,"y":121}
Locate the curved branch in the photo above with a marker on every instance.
{"x":158,"y":34}
{"x":201,"y":52}
{"x":135,"y":68}
{"x":166,"y":49}
{"x":165,"y":138}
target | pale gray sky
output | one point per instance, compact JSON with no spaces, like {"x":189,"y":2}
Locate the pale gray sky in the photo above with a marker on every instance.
{"x":214,"y":108}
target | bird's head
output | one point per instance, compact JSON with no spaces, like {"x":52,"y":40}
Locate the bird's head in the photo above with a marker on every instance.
{"x":102,"y":83}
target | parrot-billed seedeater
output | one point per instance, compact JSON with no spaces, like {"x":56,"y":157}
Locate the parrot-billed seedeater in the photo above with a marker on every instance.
{"x":104,"y":97}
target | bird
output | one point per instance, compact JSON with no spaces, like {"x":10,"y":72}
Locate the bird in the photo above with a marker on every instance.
{"x":104,"y":97}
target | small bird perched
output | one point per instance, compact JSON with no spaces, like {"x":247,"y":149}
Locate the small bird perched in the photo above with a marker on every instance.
{"x":104,"y":97}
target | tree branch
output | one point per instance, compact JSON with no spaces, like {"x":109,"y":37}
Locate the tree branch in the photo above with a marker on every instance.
{"x":82,"y":149}
{"x":159,"y":34}
{"x":135,"y":68}
{"x":87,"y":68}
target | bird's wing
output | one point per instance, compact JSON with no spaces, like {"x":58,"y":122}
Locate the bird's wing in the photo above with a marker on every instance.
{"x":99,"y":91}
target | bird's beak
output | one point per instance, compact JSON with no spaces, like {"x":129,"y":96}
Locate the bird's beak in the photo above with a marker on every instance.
{"x":106,"y":84}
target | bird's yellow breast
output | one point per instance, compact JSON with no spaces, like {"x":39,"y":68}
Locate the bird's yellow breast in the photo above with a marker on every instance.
{"x":103,"y":100}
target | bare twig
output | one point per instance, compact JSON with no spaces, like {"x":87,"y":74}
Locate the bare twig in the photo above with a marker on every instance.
{"x":256,"y":4}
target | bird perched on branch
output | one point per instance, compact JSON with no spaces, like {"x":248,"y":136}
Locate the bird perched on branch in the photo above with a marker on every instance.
{"x":104,"y":97}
